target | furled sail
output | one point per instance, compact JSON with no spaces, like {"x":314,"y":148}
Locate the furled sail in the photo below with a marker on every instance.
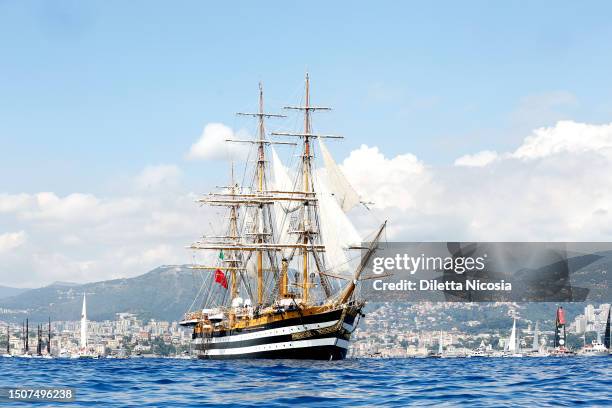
{"x":337,"y":231}
{"x":339,"y":186}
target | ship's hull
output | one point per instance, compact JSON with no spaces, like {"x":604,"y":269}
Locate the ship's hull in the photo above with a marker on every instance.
{"x":322,"y":336}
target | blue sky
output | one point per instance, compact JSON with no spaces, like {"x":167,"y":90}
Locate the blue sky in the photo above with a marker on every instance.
{"x":93,"y":91}
{"x":484,"y":121}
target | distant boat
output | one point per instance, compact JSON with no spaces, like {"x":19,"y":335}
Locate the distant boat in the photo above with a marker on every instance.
{"x":537,"y":350}
{"x":597,"y":348}
{"x":560,"y":345}
{"x":8,"y":342}
{"x":440,"y":348}
{"x":607,"y":340}
{"x":480,"y":351}
{"x":512,"y":348}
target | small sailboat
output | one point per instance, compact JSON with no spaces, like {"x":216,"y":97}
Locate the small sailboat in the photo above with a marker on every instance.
{"x":560,"y":345}
{"x":8,"y":342}
{"x":537,"y":350}
{"x":607,"y":340}
{"x":440,"y":348}
{"x":512,"y":346}
{"x":25,"y":333}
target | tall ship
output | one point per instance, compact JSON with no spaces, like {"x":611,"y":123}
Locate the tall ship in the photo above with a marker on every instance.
{"x":281,"y":271}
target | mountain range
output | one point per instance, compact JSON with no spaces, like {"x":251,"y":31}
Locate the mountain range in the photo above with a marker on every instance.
{"x":164,"y":293}
{"x":6,"y":291}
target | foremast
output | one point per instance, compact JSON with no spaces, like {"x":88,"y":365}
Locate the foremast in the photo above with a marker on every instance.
{"x":259,"y":229}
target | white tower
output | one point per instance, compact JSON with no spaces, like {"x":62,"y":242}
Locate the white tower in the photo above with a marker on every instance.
{"x":84,"y":325}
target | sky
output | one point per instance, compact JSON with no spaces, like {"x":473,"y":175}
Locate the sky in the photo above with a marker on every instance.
{"x":462,"y":120}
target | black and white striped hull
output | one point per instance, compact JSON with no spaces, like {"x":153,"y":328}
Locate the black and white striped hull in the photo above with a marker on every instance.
{"x":323,"y":336}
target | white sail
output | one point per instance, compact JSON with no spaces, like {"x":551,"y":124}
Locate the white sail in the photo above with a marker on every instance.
{"x":339,"y":186}
{"x":84,"y":324}
{"x":282,"y":182}
{"x":536,"y":337}
{"x":337,"y":231}
{"x":511,"y":346}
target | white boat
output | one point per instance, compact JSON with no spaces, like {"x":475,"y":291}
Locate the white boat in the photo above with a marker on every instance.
{"x":542,"y":352}
{"x":480,"y":351}
{"x":512,"y":346}
{"x":595,"y":349}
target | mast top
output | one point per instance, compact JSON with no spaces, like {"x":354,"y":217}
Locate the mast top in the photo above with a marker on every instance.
{"x":260,"y":113}
{"x":307,"y":107}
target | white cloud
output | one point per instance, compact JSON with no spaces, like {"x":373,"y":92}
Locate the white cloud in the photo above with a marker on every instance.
{"x":212,"y":144}
{"x":161,"y":176}
{"x":555,"y":186}
{"x":479,"y":159}
{"x":84,"y":237}
{"x":75,"y":207}
{"x":566,"y":136}
{"x":380,"y":178}
{"x":11,"y":203}
{"x":12,"y":240}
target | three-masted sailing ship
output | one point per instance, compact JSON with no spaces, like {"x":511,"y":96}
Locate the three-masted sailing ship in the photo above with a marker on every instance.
{"x":283,"y":283}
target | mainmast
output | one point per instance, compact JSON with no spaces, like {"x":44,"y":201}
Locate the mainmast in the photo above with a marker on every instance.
{"x":84,"y":324}
{"x":49,"y":338}
{"x":260,"y":188}
{"x":306,"y":230}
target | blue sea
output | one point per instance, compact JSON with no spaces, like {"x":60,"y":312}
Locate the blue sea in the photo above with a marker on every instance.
{"x":360,"y":382}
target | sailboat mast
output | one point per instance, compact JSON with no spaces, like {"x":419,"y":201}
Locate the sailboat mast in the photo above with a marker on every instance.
{"x":260,"y":187}
{"x":233,"y":232}
{"x":306,"y":177}
{"x":8,"y":339}
{"x":49,"y":339}
{"x":38,"y":345}
{"x":607,"y":342}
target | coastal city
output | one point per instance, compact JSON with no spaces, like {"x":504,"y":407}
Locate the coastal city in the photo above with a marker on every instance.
{"x":388,"y":331}
{"x":447,"y":330}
